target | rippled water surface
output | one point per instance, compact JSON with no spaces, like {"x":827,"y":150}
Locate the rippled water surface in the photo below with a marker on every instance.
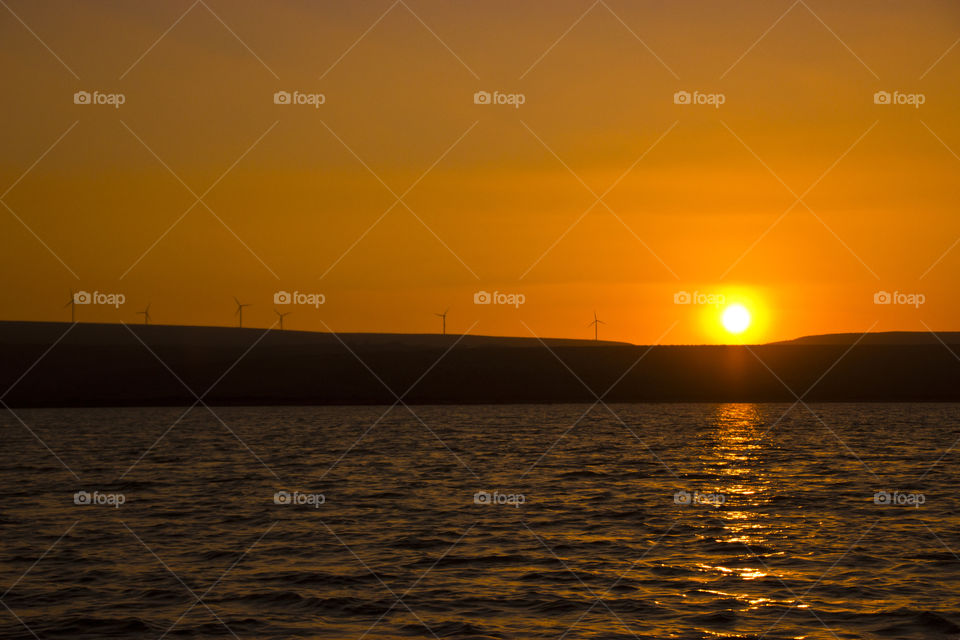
{"x":642,"y":521}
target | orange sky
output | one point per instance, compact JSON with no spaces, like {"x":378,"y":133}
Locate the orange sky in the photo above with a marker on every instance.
{"x":298,"y":198}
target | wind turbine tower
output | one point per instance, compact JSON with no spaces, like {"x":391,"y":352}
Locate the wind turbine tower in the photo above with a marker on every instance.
{"x":282,"y":316}
{"x":73,"y":306}
{"x":595,"y":324}
{"x":443,"y":316}
{"x":239,"y":311}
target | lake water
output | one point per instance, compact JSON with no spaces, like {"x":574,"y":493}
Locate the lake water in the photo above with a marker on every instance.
{"x":641,"y":521}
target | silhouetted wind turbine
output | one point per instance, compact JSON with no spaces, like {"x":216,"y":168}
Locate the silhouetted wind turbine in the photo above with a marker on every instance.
{"x":146,"y":315}
{"x":443,"y":316}
{"x":281,"y":316}
{"x":595,"y":324}
{"x":239,"y":311}
{"x":73,"y":306}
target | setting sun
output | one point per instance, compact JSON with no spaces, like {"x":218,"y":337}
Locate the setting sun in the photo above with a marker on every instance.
{"x":736,"y":318}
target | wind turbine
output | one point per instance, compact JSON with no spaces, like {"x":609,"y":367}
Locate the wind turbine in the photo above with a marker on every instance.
{"x":443,"y":316}
{"x":73,"y":306}
{"x":239,"y":311}
{"x":595,"y":324}
{"x":146,"y":315}
{"x":281,"y":316}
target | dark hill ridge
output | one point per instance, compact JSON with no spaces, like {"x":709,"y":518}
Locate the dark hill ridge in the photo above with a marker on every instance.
{"x":880,"y":338}
{"x":181,"y":335}
{"x":108,"y":365}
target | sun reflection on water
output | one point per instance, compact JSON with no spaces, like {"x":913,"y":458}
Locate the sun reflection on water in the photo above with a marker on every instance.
{"x":735,"y":456}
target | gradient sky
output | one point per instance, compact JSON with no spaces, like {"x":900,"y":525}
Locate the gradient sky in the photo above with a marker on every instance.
{"x":503,"y":199}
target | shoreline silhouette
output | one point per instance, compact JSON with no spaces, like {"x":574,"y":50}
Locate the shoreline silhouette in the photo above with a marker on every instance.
{"x":88,"y":364}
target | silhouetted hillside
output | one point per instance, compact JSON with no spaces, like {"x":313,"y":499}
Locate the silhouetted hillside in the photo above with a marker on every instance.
{"x":98,"y":364}
{"x":108,"y":335}
{"x":880,"y":338}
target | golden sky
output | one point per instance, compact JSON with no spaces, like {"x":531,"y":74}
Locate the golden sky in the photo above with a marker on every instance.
{"x":399,"y":197}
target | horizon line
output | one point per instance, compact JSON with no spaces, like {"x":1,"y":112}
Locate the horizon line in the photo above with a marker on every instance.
{"x":275,"y":328}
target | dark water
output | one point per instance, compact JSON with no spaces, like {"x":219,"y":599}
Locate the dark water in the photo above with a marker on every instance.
{"x":584,"y":538}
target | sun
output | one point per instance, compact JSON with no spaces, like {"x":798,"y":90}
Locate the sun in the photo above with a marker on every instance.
{"x":736,"y":318}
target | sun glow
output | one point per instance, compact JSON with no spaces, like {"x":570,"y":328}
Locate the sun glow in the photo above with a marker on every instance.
{"x":736,"y":318}
{"x":735,"y":314}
